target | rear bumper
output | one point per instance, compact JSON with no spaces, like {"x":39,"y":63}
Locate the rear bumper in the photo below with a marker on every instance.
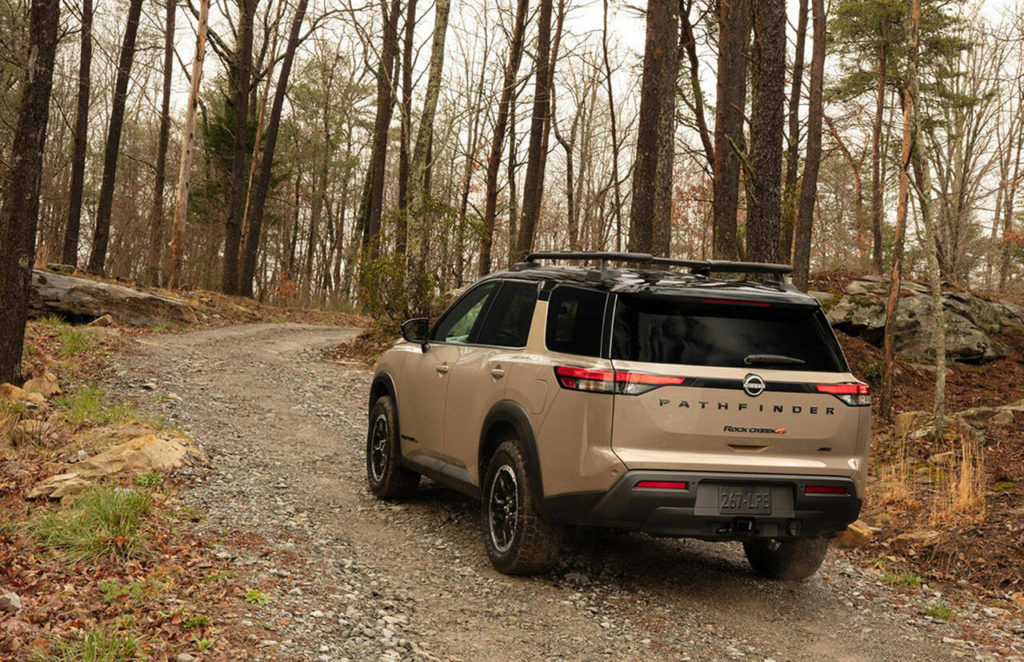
{"x":694,"y":512}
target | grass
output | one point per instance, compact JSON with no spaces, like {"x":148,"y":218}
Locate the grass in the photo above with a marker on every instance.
{"x":51,"y":321}
{"x":73,"y":341}
{"x":254,"y":596}
{"x":196,"y":622}
{"x":149,"y":479}
{"x":203,"y":644}
{"x":106,"y":522}
{"x":939,"y":610}
{"x":94,"y":645}
{"x":138,"y":591}
{"x":87,"y":406}
{"x":901,"y":578}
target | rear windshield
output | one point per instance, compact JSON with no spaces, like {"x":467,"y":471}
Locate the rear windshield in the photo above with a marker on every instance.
{"x":664,"y":330}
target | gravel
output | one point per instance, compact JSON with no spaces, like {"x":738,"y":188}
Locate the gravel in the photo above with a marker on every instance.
{"x":351,"y":578}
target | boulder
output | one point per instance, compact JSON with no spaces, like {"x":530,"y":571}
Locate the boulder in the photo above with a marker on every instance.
{"x":971,"y":321}
{"x":855,"y":535}
{"x":11,"y":393}
{"x":10,"y":602}
{"x":922,"y":538}
{"x":43,"y":382}
{"x":78,"y":298}
{"x":130,"y":458}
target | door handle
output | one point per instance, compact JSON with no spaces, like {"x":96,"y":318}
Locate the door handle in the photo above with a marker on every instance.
{"x":443,"y":369}
{"x":497,"y":373}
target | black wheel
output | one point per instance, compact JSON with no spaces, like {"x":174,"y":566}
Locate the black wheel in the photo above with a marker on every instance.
{"x":786,"y":559}
{"x":518,"y":540}
{"x":387,"y":479}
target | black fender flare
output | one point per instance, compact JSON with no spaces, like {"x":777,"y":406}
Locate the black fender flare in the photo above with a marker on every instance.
{"x":383,"y":381}
{"x":513,"y":414}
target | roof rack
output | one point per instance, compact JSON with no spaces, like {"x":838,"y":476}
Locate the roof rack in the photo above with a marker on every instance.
{"x":698,"y":267}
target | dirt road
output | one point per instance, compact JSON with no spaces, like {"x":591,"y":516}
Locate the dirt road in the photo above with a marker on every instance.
{"x":358,"y":579}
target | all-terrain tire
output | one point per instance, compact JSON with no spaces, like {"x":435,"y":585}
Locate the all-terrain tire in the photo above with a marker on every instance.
{"x":387,"y":479}
{"x":786,"y":559}
{"x":518,"y":540}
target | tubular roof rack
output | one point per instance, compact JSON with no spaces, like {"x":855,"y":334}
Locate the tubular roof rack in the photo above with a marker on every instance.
{"x":699,"y":267}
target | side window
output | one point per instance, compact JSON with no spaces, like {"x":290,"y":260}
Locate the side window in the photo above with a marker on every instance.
{"x":575,"y":320}
{"x":508,"y":322}
{"x":457,"y":324}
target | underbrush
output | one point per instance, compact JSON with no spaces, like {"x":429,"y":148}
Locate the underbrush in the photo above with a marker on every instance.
{"x":97,"y":644}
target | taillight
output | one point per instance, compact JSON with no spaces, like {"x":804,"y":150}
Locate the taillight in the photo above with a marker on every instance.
{"x":737,"y":302}
{"x":824,"y":489}
{"x":662,"y":484}
{"x":609,"y":381}
{"x":855,"y":394}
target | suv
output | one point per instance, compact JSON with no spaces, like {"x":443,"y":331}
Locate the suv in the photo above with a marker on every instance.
{"x":647,"y":399}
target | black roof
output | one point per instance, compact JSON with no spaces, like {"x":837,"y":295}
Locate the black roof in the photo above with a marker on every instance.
{"x":661,"y":277}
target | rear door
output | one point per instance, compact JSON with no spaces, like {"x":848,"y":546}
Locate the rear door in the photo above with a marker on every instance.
{"x":728,"y":385}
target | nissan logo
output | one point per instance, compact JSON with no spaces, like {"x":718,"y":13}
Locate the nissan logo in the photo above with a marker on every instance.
{"x":753,"y":385}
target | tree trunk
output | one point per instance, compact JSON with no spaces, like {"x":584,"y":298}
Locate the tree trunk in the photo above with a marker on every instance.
{"x":101,"y":235}
{"x":790,"y":206}
{"x":374,"y":201}
{"x":515,"y":55}
{"x":74,"y":224}
{"x":187,"y":146}
{"x":402,"y":220}
{"x":734,"y":29}
{"x":540,"y":124}
{"x":156,"y":226}
{"x":252,"y":236}
{"x":764,"y":176}
{"x":809,"y":185}
{"x":240,"y":79}
{"x":419,"y":229}
{"x":876,"y":151}
{"x":19,"y":212}
{"x":688,"y":44}
{"x":1008,"y":211}
{"x":650,"y":222}
{"x":906,"y":153}
{"x":616,"y":181}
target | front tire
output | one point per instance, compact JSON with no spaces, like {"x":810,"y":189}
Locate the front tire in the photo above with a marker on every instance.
{"x":387,"y":479}
{"x":518,"y":540}
{"x":789,"y":560}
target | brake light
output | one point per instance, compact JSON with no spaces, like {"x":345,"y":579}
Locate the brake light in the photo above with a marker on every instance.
{"x":855,"y":394}
{"x":824,"y":489}
{"x":737,"y":302}
{"x":609,"y":381}
{"x":662,"y":484}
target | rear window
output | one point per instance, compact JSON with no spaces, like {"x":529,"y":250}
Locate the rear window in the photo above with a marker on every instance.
{"x":662,"y":330}
{"x":575,"y":320}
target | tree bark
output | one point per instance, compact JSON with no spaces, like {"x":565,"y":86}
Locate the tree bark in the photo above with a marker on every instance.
{"x":613,"y":121}
{"x":74,"y":223}
{"x":252,"y":236}
{"x":809,"y":184}
{"x":540,"y":125}
{"x":650,"y":222}
{"x":156,"y":225}
{"x":515,"y":55}
{"x":240,"y":80}
{"x":734,"y":29}
{"x":790,"y":206}
{"x":688,"y":44}
{"x":101,"y":235}
{"x":402,"y":220}
{"x":764,"y":175}
{"x":187,"y":147}
{"x":19,"y":212}
{"x":876,"y":151}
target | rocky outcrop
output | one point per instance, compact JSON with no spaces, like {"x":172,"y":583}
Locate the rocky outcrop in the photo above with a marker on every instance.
{"x":971,"y":321}
{"x":80,"y":299}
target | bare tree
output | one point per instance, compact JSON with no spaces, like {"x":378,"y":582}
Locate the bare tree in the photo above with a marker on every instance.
{"x":730,"y":102}
{"x":73,"y":228}
{"x":156,"y":226}
{"x":809,"y":184}
{"x":789,"y":195}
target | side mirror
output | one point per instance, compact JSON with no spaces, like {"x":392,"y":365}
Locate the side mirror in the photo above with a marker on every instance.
{"x":415,"y":330}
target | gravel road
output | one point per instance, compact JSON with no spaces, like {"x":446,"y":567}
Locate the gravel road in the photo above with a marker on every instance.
{"x":362,"y":580}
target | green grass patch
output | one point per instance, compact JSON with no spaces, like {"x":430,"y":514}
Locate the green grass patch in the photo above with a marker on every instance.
{"x":106,"y":522}
{"x":87,"y":406}
{"x":1004,"y":485}
{"x":138,"y":591}
{"x":73,"y":341}
{"x":939,"y":610}
{"x":254,"y":596}
{"x":16,"y":409}
{"x":51,"y":321}
{"x":149,"y":479}
{"x":94,"y":645}
{"x":214,"y":577}
{"x":901,"y":578}
{"x":197,"y":622}
{"x":203,"y":644}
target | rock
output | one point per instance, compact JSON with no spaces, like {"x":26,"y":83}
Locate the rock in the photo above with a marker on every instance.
{"x":42,"y":382}
{"x":943,"y":459}
{"x":103,"y":320}
{"x":855,"y":535}
{"x":131,"y":458}
{"x":10,"y":602}
{"x":922,"y":538}
{"x":73,"y":297}
{"x":29,"y":432}
{"x":1003,"y":417}
{"x":184,"y":657}
{"x":11,"y":393}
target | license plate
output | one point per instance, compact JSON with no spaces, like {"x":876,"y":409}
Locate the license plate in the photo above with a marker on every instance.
{"x":744,"y":500}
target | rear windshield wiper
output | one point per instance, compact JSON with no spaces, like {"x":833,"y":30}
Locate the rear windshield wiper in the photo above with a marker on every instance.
{"x":772,"y":359}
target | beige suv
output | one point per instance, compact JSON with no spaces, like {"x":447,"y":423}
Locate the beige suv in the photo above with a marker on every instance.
{"x":647,"y":398}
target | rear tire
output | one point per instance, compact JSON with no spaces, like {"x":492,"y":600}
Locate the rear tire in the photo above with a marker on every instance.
{"x":518,"y":540}
{"x":789,"y":560}
{"x":386,"y":478}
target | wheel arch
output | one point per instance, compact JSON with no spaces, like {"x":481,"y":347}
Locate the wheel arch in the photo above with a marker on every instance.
{"x":505,"y":420}
{"x":383,"y":385}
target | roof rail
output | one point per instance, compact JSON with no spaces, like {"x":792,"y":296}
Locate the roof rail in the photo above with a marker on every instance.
{"x":706,"y":267}
{"x":602,"y":257}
